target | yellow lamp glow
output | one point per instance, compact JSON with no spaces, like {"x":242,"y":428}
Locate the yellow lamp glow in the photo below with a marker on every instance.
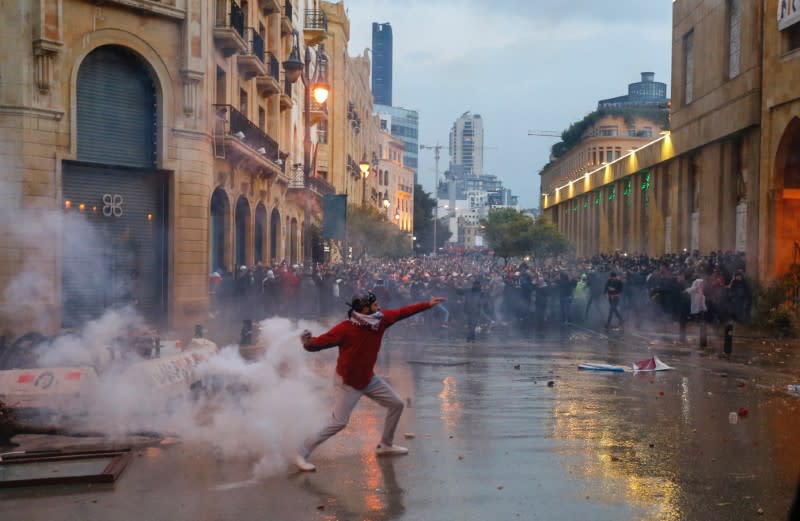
{"x":364,"y":167}
{"x":320,"y":92}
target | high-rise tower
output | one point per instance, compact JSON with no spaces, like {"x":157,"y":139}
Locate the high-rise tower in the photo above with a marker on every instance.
{"x":466,"y":144}
{"x":382,"y":63}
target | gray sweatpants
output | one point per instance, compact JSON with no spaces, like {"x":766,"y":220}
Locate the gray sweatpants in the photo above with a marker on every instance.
{"x":345,"y":400}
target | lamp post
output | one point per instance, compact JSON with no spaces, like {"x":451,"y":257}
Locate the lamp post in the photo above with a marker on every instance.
{"x":436,"y":149}
{"x":364,"y":166}
{"x":386,"y":204}
{"x":319,"y":88}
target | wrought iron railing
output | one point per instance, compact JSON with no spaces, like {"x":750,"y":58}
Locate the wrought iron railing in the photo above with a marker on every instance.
{"x":315,"y":19}
{"x":232,"y":18}
{"x":255,"y":44}
{"x":273,"y":65}
{"x":254,"y":137}
{"x":320,"y":185}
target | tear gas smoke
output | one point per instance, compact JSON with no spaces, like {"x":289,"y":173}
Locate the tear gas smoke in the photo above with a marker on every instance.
{"x":260,"y":410}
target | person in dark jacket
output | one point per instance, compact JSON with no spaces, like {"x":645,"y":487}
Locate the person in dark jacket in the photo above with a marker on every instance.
{"x":359,"y":340}
{"x":565,"y":288}
{"x":613,"y":292}
{"x":472,"y":308}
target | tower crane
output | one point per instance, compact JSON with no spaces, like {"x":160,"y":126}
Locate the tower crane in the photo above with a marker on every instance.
{"x":545,"y":133}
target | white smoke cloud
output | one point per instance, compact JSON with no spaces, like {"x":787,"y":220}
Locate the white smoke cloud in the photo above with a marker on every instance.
{"x":36,"y":235}
{"x":262,"y":410}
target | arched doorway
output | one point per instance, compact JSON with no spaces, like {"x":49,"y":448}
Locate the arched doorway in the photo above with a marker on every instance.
{"x":241,"y":229}
{"x":220,"y":209}
{"x":259,"y":255}
{"x":274,"y":235}
{"x":293,"y":241}
{"x":787,"y":211}
{"x":115,"y":249}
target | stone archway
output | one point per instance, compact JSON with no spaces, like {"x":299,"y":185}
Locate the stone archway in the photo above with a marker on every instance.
{"x":274,"y":236}
{"x":242,"y":231}
{"x":787,"y":207}
{"x":218,"y":227}
{"x":260,"y":232}
{"x":293,"y":238}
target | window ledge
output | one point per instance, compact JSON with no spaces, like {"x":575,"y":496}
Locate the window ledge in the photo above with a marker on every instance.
{"x":790,"y":55}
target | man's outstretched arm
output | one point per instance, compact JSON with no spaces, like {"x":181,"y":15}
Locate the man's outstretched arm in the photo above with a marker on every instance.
{"x":390,"y":316}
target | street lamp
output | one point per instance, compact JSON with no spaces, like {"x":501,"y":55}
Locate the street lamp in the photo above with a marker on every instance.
{"x":437,"y":149}
{"x":318,"y":88}
{"x":364,"y":166}
{"x":386,"y":204}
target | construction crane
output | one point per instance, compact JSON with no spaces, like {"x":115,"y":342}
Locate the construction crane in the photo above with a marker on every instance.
{"x":545,"y":133}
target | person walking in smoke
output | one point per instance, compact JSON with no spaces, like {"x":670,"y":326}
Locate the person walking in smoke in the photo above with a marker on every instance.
{"x":359,"y":340}
{"x":613,"y":291}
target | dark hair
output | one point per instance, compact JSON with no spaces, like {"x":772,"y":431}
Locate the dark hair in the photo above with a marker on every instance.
{"x":362,"y":300}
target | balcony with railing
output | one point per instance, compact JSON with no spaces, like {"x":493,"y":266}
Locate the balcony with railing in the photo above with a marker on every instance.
{"x":252,"y":61}
{"x":270,"y":82}
{"x":317,"y":112}
{"x":286,"y":20}
{"x":315,"y":26}
{"x":229,"y":27}
{"x":317,"y":184}
{"x":244,"y":138}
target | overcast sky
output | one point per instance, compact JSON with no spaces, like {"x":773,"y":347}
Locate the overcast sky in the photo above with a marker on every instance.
{"x":521,"y":64}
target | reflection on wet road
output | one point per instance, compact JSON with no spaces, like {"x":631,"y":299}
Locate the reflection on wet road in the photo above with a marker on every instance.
{"x":490,"y":441}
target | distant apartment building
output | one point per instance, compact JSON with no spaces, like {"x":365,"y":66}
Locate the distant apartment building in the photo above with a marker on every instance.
{"x":466,"y":144}
{"x":645,"y":93}
{"x":468,"y":194}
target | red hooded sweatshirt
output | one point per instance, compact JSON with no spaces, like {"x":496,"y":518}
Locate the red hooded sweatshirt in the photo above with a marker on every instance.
{"x":359,"y":345}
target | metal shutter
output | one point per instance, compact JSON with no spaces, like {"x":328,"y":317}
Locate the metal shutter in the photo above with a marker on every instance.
{"x":116,"y":109}
{"x":113,"y":253}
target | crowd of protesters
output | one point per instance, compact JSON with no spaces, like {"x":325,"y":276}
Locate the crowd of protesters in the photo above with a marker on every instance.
{"x":486,"y":296}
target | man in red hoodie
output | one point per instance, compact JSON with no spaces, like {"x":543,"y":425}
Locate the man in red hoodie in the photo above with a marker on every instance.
{"x":359,"y":340}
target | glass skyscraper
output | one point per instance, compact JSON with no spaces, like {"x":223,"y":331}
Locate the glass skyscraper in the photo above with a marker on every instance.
{"x":404,"y":124}
{"x":382,"y":63}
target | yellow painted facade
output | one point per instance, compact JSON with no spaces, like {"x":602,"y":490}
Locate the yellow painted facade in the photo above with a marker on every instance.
{"x":395,"y":183}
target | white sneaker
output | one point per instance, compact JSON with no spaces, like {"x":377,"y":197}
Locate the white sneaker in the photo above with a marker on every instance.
{"x":390,"y":450}
{"x":303,"y":464}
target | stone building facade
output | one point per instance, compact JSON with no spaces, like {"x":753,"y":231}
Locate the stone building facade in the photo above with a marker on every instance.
{"x":777,"y":190}
{"x":704,"y":185}
{"x":354,"y":132}
{"x":143,"y":145}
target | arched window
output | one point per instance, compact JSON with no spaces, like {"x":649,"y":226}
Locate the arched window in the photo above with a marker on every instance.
{"x":220,"y":209}
{"x":274,"y":235}
{"x":293,"y":238}
{"x":259,"y":255}
{"x":242,"y":228}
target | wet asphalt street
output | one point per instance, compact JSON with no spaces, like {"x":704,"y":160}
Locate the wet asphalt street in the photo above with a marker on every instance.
{"x":493,"y":441}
